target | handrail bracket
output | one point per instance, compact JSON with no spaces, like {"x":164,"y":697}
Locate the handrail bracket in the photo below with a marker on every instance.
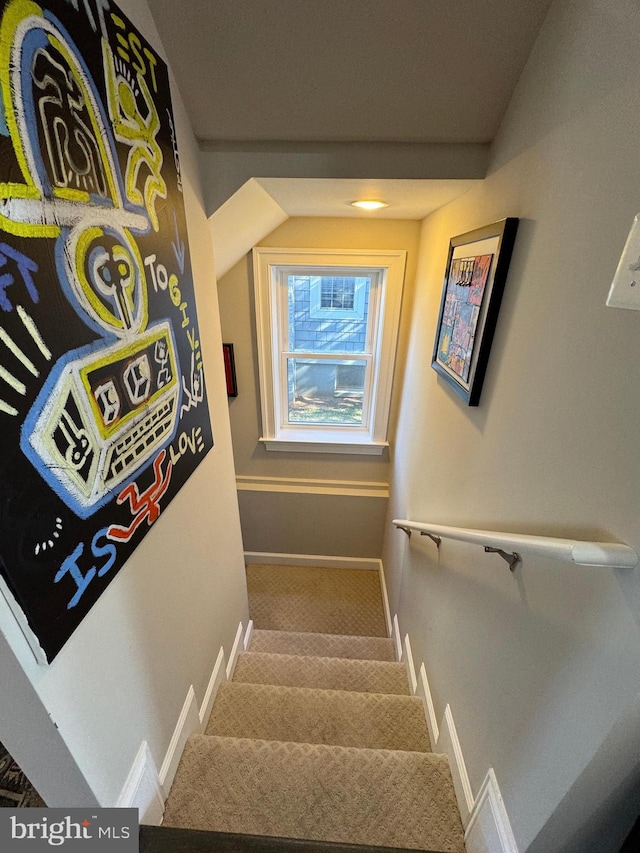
{"x":433,"y":537}
{"x":407,"y":530}
{"x":512,"y":558}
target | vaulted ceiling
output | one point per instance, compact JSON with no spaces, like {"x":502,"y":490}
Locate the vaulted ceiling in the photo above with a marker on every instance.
{"x":323,"y":101}
{"x":347,"y":70}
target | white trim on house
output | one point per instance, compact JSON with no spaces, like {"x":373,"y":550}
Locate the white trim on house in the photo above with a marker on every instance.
{"x":320,"y":560}
{"x":449,"y":743}
{"x":489,"y":829}
{"x":188,"y":723}
{"x":147,"y":789}
{"x":397,"y":639}
{"x":308,"y":485}
{"x":142,"y":789}
{"x":424,"y":692}
{"x":385,"y":601}
{"x":411,"y":670}
{"x":218,"y":677}
{"x":235,"y":651}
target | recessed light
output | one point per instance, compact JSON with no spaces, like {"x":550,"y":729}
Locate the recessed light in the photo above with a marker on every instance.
{"x":369,"y":204}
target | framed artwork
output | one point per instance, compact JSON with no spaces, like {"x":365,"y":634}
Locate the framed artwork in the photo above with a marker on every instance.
{"x":230,"y":370}
{"x":103,"y":407}
{"x":474,"y":281}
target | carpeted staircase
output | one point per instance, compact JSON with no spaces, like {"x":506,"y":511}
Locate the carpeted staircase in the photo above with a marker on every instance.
{"x":317,"y":736}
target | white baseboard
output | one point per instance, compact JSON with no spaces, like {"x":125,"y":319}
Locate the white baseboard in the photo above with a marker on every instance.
{"x":247,"y":635}
{"x":145,"y":787}
{"x":385,"y":601}
{"x":218,"y":676}
{"x":322,"y":560}
{"x":411,"y":670}
{"x":142,"y":789}
{"x":424,"y":692}
{"x":235,"y":651}
{"x":449,"y":743}
{"x":188,"y":724}
{"x":489,"y":829}
{"x":397,"y":640}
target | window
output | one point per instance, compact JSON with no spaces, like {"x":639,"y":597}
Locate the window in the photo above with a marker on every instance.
{"x":327,"y":329}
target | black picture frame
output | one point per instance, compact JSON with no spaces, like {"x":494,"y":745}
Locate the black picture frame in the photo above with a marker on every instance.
{"x":230,"y":370}
{"x":474,"y":280}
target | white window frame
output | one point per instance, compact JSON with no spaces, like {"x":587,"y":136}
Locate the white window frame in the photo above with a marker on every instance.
{"x":270,"y":270}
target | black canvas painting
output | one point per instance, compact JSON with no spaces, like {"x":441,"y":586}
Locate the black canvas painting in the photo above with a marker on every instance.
{"x":103,"y":409}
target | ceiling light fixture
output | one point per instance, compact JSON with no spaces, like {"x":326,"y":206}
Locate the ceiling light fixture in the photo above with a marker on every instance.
{"x":369,"y":204}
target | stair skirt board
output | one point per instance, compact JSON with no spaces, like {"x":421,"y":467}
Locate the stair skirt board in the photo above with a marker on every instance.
{"x":145,"y":788}
{"x":485,"y":818}
{"x":142,"y":788}
{"x":489,"y":829}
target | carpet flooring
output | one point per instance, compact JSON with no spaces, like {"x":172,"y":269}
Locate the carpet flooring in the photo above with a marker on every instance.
{"x":317,"y":735}
{"x":307,"y":715}
{"x":323,"y":645}
{"x":327,"y":601}
{"x":366,"y":676}
{"x":300,"y":790}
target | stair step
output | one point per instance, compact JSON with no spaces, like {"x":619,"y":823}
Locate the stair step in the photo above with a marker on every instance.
{"x":308,"y":715}
{"x":318,"y":792}
{"x":360,"y":676}
{"x":316,"y":598}
{"x":169,"y":839}
{"x":323,"y":645}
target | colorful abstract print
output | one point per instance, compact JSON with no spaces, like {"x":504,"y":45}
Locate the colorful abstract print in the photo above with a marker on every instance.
{"x":463,"y":302}
{"x":103,"y":408}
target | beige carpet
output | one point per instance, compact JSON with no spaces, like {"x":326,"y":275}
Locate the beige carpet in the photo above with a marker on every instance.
{"x":328,"y":601}
{"x":332,"y":793}
{"x":323,"y":645}
{"x":305,"y":715}
{"x":365,"y":676}
{"x":317,"y":736}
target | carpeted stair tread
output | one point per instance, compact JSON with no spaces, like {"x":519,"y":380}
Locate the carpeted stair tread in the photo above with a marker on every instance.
{"x":316,"y":599}
{"x":307,"y":715}
{"x":323,"y":645}
{"x":359,"y":676}
{"x":331,"y":793}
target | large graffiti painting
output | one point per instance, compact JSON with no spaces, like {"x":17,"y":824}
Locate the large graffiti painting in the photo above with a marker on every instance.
{"x":103,"y":410}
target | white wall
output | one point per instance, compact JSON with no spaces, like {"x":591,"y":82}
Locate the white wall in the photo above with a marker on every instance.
{"x":539,"y":667}
{"x":123,"y":676}
{"x":288,"y":517}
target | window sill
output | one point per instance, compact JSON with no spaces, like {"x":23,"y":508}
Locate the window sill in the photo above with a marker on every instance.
{"x":326,"y":445}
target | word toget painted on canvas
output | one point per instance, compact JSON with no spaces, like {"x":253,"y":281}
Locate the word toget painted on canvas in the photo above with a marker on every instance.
{"x":100,"y":356}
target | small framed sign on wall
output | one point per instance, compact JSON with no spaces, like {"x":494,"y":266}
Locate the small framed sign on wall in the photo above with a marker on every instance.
{"x":474,"y":281}
{"x":230,"y":370}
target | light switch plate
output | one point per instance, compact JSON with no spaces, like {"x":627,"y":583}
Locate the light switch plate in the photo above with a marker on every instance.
{"x":625,"y":288}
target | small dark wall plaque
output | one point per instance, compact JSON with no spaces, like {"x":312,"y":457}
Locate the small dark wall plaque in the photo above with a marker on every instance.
{"x":230,"y":370}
